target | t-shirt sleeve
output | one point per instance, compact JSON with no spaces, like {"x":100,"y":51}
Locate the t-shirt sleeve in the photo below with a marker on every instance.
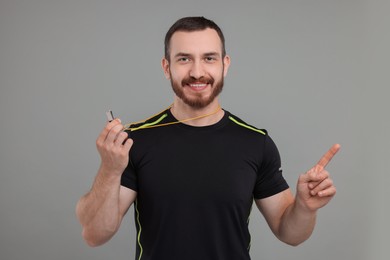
{"x":129,"y":178}
{"x":270,"y":180}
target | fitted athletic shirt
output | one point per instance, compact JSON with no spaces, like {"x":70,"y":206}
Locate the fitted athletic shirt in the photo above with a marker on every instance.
{"x":195,"y":186}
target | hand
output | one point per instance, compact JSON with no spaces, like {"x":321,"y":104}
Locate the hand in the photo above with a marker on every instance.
{"x":113,"y":146}
{"x":315,"y":188}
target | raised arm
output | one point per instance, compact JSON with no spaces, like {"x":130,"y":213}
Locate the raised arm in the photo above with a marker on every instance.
{"x":101,"y":210}
{"x":293,"y":220}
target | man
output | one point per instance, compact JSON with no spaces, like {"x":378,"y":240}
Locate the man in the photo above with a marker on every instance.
{"x":194,"y":170}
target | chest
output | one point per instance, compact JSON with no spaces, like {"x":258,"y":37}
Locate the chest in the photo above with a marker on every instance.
{"x":197,"y":168}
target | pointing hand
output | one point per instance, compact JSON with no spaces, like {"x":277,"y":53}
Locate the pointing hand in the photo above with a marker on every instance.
{"x":315,"y":187}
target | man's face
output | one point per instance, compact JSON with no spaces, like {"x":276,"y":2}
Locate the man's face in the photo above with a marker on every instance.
{"x":196,"y":68}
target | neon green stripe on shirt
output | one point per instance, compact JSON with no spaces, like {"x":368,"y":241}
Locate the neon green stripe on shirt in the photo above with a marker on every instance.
{"x":150,"y":124}
{"x":246,"y":126}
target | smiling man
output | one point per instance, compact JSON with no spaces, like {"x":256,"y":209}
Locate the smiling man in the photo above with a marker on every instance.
{"x":197,"y":67}
{"x":194,"y":170}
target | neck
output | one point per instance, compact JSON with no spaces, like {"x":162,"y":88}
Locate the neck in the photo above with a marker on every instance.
{"x":212,"y":113}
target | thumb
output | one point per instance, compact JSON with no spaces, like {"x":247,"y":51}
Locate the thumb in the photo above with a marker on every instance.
{"x":311,"y":175}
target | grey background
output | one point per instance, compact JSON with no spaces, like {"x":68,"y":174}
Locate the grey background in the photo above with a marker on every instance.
{"x":311,"y":72}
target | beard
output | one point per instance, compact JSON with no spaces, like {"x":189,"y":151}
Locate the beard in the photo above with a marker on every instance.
{"x":197,"y":100}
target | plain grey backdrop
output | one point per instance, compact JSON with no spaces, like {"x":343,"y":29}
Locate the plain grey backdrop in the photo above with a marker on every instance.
{"x":312,"y":73}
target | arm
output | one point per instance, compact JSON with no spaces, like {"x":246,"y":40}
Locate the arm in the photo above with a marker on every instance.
{"x":101,"y":210}
{"x":290,"y":224}
{"x":293,"y":220}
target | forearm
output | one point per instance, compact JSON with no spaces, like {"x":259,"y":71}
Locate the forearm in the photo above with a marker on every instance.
{"x":314,"y":190}
{"x":98,"y":211}
{"x":297,"y":224}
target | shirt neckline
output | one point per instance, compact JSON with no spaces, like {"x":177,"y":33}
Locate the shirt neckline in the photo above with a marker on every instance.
{"x":220,"y":123}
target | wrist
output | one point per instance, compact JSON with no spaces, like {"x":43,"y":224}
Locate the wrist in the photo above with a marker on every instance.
{"x":303,"y":209}
{"x":109,"y":174}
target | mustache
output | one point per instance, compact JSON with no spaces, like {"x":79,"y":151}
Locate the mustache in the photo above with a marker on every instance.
{"x":192,"y":80}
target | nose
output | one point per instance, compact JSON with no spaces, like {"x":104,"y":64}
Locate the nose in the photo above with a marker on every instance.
{"x":197,"y":70}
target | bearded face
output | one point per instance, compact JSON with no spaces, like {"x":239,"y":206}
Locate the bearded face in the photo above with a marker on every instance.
{"x":196,"y":67}
{"x":193,"y":91}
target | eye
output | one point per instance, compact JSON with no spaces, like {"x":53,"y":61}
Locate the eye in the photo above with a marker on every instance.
{"x":210,"y":59}
{"x":183,"y":59}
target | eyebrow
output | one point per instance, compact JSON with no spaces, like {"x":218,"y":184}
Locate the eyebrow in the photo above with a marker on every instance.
{"x":211,"y":54}
{"x":183,"y":54}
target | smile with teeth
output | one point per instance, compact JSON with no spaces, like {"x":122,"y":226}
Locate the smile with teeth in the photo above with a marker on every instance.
{"x":198,"y":86}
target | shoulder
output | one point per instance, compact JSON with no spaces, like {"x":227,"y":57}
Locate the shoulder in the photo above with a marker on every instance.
{"x":244,"y":126}
{"x":150,"y":122}
{"x":253,"y":133}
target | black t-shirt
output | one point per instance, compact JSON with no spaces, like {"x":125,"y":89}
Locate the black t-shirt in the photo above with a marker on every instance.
{"x":196,"y":186}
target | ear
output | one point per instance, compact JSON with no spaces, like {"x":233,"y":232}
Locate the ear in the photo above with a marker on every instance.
{"x":165,"y":67}
{"x":226,"y":63}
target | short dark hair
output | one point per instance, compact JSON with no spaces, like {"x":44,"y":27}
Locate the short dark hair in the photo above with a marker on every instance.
{"x":191,"y":24}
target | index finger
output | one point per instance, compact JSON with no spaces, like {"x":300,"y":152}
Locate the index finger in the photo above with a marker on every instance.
{"x":328,"y":156}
